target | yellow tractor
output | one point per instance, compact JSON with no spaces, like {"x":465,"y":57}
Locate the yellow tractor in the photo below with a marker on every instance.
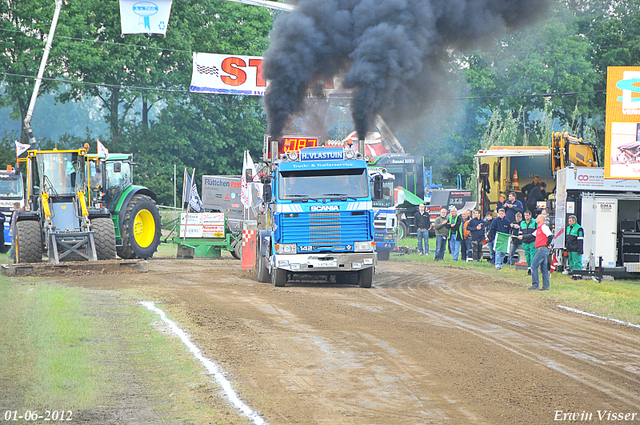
{"x":58,"y":219}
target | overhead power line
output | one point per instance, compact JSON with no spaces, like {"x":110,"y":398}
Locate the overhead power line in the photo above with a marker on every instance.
{"x":160,"y":89}
{"x":117,"y":86}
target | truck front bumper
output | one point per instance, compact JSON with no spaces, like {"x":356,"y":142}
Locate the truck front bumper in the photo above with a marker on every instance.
{"x":325,"y":262}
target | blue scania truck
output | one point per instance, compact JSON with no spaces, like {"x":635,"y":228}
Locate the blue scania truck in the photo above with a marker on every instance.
{"x":318,"y":217}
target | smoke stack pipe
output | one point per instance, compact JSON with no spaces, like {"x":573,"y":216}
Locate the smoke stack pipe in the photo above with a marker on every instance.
{"x":361,"y":146}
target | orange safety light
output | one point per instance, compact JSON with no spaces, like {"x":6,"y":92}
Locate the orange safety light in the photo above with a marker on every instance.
{"x":9,"y":168}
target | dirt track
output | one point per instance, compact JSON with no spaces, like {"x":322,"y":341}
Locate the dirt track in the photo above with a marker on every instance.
{"x":426,"y":345}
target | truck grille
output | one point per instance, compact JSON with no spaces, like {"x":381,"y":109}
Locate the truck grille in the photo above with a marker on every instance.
{"x":325,"y":228}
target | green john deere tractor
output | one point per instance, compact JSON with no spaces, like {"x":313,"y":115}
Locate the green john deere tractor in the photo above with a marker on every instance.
{"x":133,"y":208}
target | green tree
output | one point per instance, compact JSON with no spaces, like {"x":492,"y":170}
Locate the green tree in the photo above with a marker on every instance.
{"x":23,"y":29}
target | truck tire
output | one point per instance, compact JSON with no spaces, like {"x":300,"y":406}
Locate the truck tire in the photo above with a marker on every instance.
{"x":140,"y":229}
{"x":278,"y":277}
{"x":383,"y":255}
{"x":263,"y":271}
{"x":365,"y":278}
{"x":28,"y":243}
{"x":104,"y":235}
{"x":402,"y":230}
{"x":236,"y":251}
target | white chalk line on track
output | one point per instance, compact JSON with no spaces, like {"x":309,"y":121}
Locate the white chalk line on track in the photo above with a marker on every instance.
{"x":208,"y":364}
{"x":573,"y":310}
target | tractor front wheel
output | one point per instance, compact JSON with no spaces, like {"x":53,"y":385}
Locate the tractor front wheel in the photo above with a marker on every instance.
{"x":140,"y":229}
{"x":104,"y":235}
{"x":28,"y":242}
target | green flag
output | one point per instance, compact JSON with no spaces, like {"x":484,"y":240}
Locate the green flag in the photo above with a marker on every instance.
{"x":502,"y":242}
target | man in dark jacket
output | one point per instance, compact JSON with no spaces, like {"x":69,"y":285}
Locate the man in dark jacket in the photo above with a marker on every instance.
{"x":487,"y":226}
{"x":574,"y":241}
{"x":537,"y":194}
{"x":442,"y":233}
{"x":476,"y":226}
{"x":516,"y":242}
{"x":512,"y":207}
{"x":499,"y":225}
{"x":422,"y":222}
{"x":527,"y":227}
{"x":526,"y":190}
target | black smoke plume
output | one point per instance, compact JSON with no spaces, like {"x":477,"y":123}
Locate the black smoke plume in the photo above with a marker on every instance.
{"x":391,"y":53}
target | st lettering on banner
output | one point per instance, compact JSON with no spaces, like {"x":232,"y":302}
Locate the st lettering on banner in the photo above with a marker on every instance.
{"x":227,"y":74}
{"x":145,"y":17}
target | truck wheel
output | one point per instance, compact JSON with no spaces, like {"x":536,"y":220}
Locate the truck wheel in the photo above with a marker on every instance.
{"x":278,"y":277}
{"x":263,"y":271}
{"x":383,"y":255}
{"x":236,"y":251}
{"x":28,"y":244}
{"x":402,"y":230}
{"x":104,"y":235}
{"x":140,"y":228}
{"x":365,"y":277}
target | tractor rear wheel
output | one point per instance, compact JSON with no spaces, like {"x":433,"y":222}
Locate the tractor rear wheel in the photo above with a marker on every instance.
{"x":28,"y":243}
{"x":140,"y":229}
{"x":104,"y":235}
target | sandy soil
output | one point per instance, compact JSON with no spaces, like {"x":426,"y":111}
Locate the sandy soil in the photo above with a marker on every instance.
{"x":426,"y":345}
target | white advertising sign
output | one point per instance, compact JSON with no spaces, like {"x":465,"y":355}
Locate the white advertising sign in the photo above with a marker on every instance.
{"x":202,"y":225}
{"x":145,"y":17}
{"x":242,"y":75}
{"x":227,"y":74}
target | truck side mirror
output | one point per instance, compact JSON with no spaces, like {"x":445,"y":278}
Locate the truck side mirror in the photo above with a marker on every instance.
{"x":248,"y":175}
{"x":266,"y":192}
{"x":377,"y":188}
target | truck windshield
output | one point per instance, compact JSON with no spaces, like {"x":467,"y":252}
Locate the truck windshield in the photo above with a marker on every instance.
{"x":323,"y":184}
{"x":58,"y":172}
{"x":387,"y":195}
{"x":11,"y":187}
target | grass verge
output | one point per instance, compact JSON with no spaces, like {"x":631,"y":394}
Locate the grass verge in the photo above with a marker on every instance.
{"x":96,"y":351}
{"x":619,"y":299}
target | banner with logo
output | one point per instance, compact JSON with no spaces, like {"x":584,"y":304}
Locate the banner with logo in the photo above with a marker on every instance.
{"x":242,"y":75}
{"x":145,"y":17}
{"x":227,"y":74}
{"x":622,"y":132}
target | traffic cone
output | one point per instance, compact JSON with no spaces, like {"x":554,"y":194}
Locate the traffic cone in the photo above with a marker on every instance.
{"x":514,"y":182}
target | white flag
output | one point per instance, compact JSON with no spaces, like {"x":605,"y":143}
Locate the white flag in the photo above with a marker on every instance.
{"x":21,"y":148}
{"x":102,"y":150}
{"x":245,"y":194}
{"x":145,"y":17}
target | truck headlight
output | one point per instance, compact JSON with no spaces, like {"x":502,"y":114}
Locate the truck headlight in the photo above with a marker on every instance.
{"x":366,"y":246}
{"x":286,"y":248}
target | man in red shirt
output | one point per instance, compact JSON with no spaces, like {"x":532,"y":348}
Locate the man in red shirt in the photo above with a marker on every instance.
{"x":543,"y":237}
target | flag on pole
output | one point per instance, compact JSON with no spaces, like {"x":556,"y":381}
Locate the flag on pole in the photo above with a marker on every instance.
{"x":21,"y":148}
{"x":145,"y":17}
{"x":195,"y":203}
{"x":245,"y":194}
{"x":186,"y":187}
{"x":102,"y":150}
{"x":554,"y":263}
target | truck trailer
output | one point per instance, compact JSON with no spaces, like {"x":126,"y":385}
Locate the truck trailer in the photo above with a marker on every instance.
{"x":609,"y":212}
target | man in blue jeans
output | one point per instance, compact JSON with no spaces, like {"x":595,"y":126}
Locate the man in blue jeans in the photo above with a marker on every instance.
{"x":422,"y":222}
{"x":442,"y":233}
{"x":455,"y":232}
{"x":544,"y":238}
{"x":499,"y":225}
